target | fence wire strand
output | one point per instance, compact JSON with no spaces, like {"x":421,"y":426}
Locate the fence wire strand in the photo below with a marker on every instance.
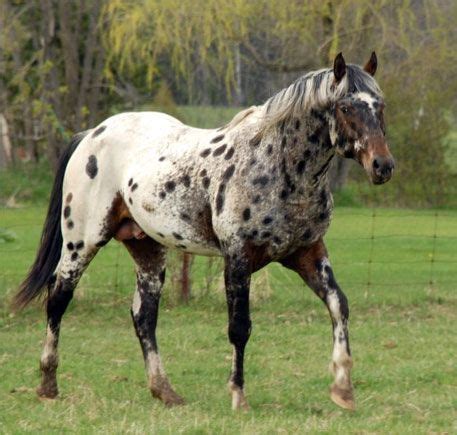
{"x":430,"y":256}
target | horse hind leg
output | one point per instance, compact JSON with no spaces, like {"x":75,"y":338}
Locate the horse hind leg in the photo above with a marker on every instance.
{"x":74,"y":260}
{"x":150,"y":259}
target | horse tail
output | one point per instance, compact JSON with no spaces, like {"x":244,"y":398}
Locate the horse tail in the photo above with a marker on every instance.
{"x":41,"y":274}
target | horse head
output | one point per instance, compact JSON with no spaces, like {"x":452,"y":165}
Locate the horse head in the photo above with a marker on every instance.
{"x":358,"y":129}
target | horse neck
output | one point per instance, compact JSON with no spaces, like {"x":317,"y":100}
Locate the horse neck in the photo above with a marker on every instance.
{"x":305,"y":148}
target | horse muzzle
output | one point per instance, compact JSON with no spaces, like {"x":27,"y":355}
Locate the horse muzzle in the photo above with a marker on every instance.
{"x":382,"y":169}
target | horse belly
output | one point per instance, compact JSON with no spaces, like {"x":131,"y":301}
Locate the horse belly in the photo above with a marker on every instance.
{"x":172,"y":231}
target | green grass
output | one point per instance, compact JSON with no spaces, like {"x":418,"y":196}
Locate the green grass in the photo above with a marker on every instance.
{"x":402,"y":337}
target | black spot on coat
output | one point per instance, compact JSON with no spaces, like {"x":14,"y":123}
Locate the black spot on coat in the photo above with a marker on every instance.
{"x":306,"y":235}
{"x":229,"y":154}
{"x":206,"y":152}
{"x":177,"y":236}
{"x":219,"y":150}
{"x":229,"y":172}
{"x":206,"y":182}
{"x":66,"y":212}
{"x":186,"y":180}
{"x":185,"y":217}
{"x":91,"y":166}
{"x":301,"y":167}
{"x":262,"y":181}
{"x":134,"y":187}
{"x":170,"y":186}
{"x":246,"y":214}
{"x":217,"y":139}
{"x":99,"y":130}
{"x":220,"y":198}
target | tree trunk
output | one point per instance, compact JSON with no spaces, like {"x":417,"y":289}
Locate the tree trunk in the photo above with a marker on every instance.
{"x":339,"y":169}
{"x":5,"y":144}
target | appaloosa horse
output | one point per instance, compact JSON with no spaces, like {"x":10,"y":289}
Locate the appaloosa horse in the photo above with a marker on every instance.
{"x":253,"y":192}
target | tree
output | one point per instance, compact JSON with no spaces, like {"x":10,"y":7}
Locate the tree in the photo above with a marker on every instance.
{"x":51,"y":70}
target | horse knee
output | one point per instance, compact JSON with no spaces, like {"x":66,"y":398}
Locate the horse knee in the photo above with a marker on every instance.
{"x":239,"y":331}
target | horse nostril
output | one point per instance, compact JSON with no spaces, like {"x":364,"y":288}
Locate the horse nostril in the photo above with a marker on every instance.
{"x":375,"y":164}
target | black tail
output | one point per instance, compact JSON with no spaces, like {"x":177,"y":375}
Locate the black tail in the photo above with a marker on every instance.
{"x":41,"y":273}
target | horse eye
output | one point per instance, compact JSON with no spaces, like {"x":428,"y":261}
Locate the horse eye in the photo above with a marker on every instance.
{"x":344,"y":109}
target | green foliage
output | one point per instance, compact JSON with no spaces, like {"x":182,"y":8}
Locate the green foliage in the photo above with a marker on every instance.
{"x":27,"y":183}
{"x":96,"y":58}
{"x":163,"y":101}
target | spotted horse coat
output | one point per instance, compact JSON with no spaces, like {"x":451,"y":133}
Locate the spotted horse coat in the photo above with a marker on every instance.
{"x":253,"y":192}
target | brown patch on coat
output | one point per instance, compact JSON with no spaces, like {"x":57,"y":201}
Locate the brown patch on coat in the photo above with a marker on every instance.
{"x":257,"y":255}
{"x":303,"y":260}
{"x":145,"y":252}
{"x":117,"y":213}
{"x":206,"y":226}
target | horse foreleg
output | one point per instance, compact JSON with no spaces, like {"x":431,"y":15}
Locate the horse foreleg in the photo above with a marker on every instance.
{"x":150,"y":260}
{"x":314,"y":267}
{"x":237,"y":281}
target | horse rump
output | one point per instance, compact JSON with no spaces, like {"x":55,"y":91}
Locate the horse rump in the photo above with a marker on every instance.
{"x":41,"y":274}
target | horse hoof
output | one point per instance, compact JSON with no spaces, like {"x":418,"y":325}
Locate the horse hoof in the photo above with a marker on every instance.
{"x":240,"y":405}
{"x":343,"y":398}
{"x":173,"y":399}
{"x":239,"y":402}
{"x":46,"y":392}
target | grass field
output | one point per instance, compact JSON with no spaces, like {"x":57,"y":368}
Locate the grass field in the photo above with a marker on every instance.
{"x":403,"y":316}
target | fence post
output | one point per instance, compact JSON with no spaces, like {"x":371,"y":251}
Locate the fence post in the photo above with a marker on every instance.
{"x":185,"y":277}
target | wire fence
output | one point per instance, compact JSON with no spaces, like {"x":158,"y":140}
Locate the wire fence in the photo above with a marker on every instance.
{"x":397,"y":252}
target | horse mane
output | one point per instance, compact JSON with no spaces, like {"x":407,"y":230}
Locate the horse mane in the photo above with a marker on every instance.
{"x":240,"y":116}
{"x":315,"y":90}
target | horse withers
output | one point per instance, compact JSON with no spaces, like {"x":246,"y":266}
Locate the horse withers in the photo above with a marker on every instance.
{"x":253,"y":192}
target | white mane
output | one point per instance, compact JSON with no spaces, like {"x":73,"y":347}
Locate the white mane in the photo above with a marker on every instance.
{"x":315,"y":90}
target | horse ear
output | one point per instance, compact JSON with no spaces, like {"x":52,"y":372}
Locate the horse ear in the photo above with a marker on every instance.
{"x":371,"y":65}
{"x":339,"y":67}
